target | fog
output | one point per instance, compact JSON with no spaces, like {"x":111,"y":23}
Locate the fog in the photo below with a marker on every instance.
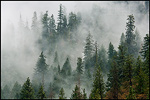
{"x":105,"y":20}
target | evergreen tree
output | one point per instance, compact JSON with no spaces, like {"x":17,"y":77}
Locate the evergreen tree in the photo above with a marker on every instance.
{"x":128,"y":69}
{"x":66,"y":69}
{"x":141,"y":86}
{"x":95,"y":95}
{"x":41,"y":93}
{"x":45,"y":20}
{"x":79,"y":70}
{"x":34,"y":26}
{"x":62,"y":94}
{"x":122,"y":52}
{"x":41,"y":67}
{"x":72,"y":21}
{"x":52,"y":26}
{"x":64,"y":27}
{"x":98,"y":82}
{"x":113,"y":80}
{"x":111,"y":52}
{"x":60,"y":20}
{"x":145,"y":53}
{"x":27,"y":91}
{"x":88,"y":51}
{"x":76,"y":93}
{"x":130,"y":36}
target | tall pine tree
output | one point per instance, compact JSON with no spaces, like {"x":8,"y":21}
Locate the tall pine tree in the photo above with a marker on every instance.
{"x":27,"y":91}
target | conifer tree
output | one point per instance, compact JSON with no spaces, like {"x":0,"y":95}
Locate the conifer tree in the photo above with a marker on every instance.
{"x":52,"y":25}
{"x":88,"y":50}
{"x":130,"y":36}
{"x":45,"y":29}
{"x":98,"y":82}
{"x":128,"y":69}
{"x":41,"y":68}
{"x":27,"y":91}
{"x":113,"y":80}
{"x":62,"y":94}
{"x":111,"y":53}
{"x":60,"y":20}
{"x":76,"y":93}
{"x":66,"y":69}
{"x":41,"y":93}
{"x":145,"y":53}
{"x":79,"y":70}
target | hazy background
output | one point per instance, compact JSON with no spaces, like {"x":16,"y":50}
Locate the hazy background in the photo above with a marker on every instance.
{"x":106,"y":21}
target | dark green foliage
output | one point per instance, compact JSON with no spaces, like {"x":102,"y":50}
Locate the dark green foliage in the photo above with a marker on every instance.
{"x":145,"y":53}
{"x":131,"y":94}
{"x":113,"y":80}
{"x":138,"y":66}
{"x":76,"y":93}
{"x":66,"y":69}
{"x":140,"y":88}
{"x":27,"y":91}
{"x":122,"y":52}
{"x":98,"y":83}
{"x":62,"y":94}
{"x":111,"y":52}
{"x":60,"y":20}
{"x":41,"y":93}
{"x":15,"y":91}
{"x":128,"y":69}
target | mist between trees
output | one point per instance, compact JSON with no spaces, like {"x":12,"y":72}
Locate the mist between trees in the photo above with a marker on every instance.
{"x":79,"y":55}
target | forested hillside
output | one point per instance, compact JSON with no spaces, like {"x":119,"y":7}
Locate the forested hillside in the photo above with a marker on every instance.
{"x":77,"y":56}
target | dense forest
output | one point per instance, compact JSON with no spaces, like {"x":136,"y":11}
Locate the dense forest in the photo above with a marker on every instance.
{"x":61,"y":71}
